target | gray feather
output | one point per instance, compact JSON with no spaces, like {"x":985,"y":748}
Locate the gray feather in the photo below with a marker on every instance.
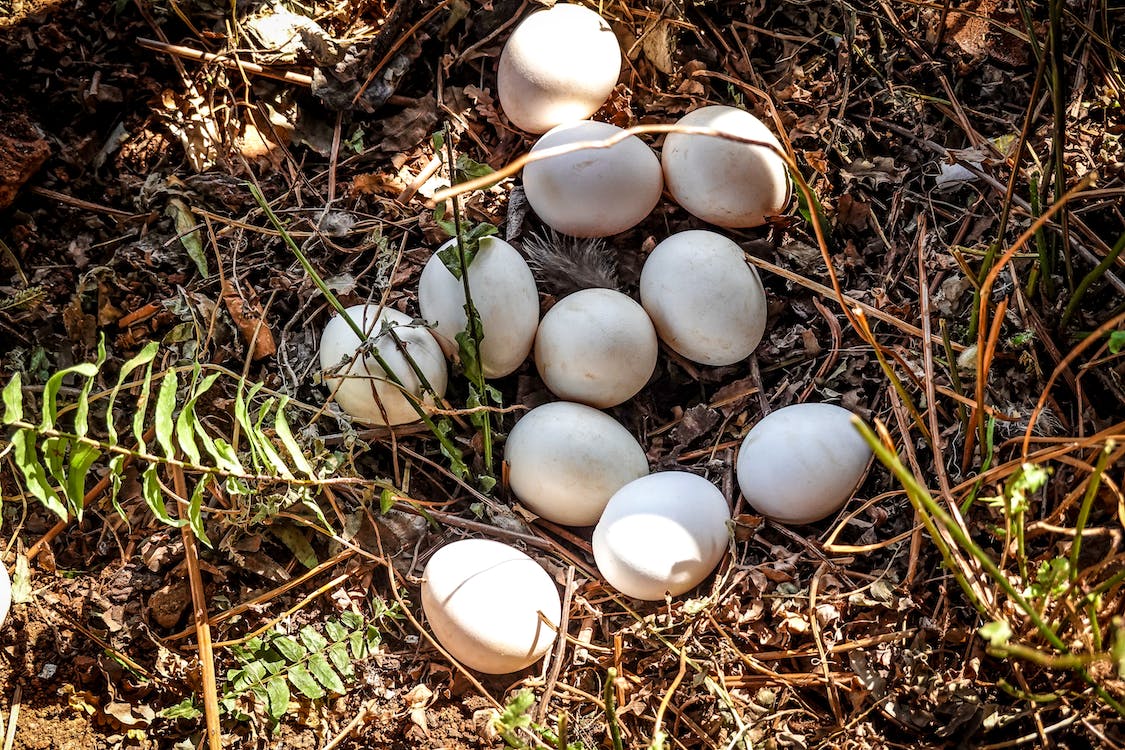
{"x":564,"y":264}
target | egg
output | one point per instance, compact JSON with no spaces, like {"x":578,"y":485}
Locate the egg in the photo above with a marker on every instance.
{"x":5,"y":594}
{"x":661,"y":534}
{"x":558,"y":65}
{"x":504,"y":294}
{"x":361,"y":386}
{"x":706,"y":303}
{"x":592,"y":192}
{"x":490,"y":605}
{"x":725,"y":182}
{"x":801,"y":463}
{"x":596,"y":347}
{"x":565,"y":460}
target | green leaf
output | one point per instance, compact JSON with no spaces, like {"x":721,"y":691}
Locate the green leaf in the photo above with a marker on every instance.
{"x":270,"y":453}
{"x":470,"y":361}
{"x":277,"y":697}
{"x":51,"y":391}
{"x":165,"y":406}
{"x":116,"y":469}
{"x":303,"y":681}
{"x":195,"y":512}
{"x":153,"y":494}
{"x":190,"y":236}
{"x":142,"y":407}
{"x":289,"y":648}
{"x":313,"y":640}
{"x":285,"y":435}
{"x":1116,"y":341}
{"x":338,"y":654}
{"x":185,"y":709}
{"x":34,"y":473}
{"x":144,"y":357}
{"x":293,"y":538}
{"x":13,"y":400}
{"x":82,"y":407}
{"x":386,"y":500}
{"x":325,"y":674}
{"x":997,"y":633}
{"x":469,"y":169}
{"x":82,"y":457}
{"x":336,"y":632}
{"x":188,"y":426}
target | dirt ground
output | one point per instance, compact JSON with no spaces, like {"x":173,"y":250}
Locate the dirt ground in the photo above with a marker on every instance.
{"x":125,"y":213}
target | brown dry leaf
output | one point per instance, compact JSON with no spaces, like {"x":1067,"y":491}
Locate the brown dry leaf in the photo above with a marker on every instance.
{"x":247,"y":315}
{"x":417,"y":700}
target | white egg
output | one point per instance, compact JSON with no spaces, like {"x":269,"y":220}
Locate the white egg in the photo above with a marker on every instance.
{"x":597,"y":347}
{"x":707,"y":304}
{"x":663,"y":533}
{"x":558,"y":65}
{"x":725,"y":182}
{"x":504,"y":295}
{"x":593,"y":192}
{"x":566,"y":460}
{"x":5,"y":594}
{"x":490,"y":605}
{"x":802,"y":462}
{"x":362,"y":386}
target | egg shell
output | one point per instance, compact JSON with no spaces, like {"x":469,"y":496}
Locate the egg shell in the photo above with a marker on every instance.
{"x":504,"y":295}
{"x":596,"y":347}
{"x":663,"y":533}
{"x":5,"y":594}
{"x":483,"y":601}
{"x":566,"y":460}
{"x":801,"y":463}
{"x":706,"y":303}
{"x":592,"y":192}
{"x":558,"y":65}
{"x":725,"y":182}
{"x":360,"y":386}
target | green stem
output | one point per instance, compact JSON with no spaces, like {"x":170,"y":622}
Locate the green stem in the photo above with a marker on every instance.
{"x":611,"y":710}
{"x":475,"y":327}
{"x":447,"y":445}
{"x":1087,"y":504}
{"x":1099,"y":270}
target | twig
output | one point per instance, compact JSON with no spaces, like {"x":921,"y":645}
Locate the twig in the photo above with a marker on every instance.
{"x":13,"y":717}
{"x":199,"y":613}
{"x":187,"y":53}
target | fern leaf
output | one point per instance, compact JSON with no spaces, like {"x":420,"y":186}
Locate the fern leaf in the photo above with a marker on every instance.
{"x":153,"y":495}
{"x":145,"y":356}
{"x":195,"y":513}
{"x":82,"y":408}
{"x":165,"y":407}
{"x":29,"y":297}
{"x":304,"y":681}
{"x":82,"y":457}
{"x":13,"y":400}
{"x":277,"y":697}
{"x":285,"y":435}
{"x":270,"y":453}
{"x":290,"y":649}
{"x":51,"y":391}
{"x":187,"y":426}
{"x":325,"y":674}
{"x":142,"y":408}
{"x":35,"y":474}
